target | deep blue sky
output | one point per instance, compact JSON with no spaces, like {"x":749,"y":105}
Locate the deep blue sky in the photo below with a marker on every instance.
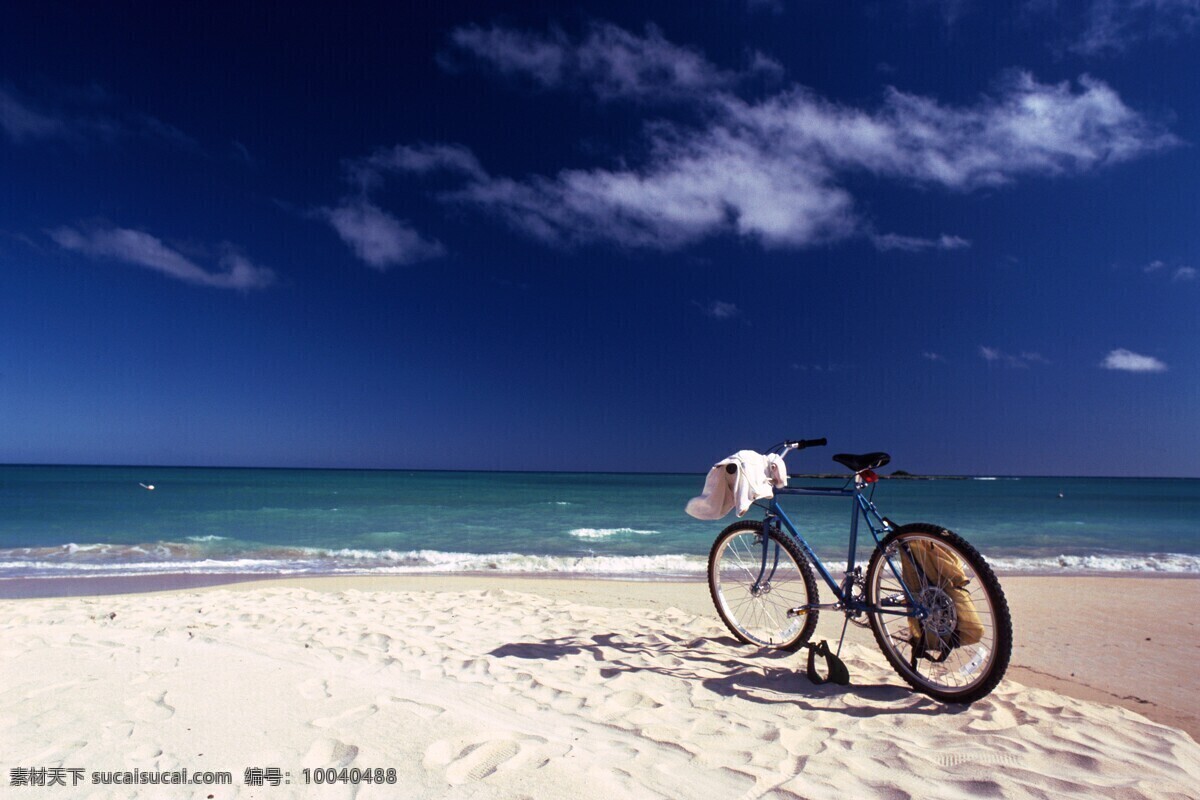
{"x":605,"y":236}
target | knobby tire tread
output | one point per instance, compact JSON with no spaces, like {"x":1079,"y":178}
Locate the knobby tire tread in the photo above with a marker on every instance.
{"x":1002,"y":617}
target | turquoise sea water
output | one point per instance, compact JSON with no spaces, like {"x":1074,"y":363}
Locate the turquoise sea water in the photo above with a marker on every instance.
{"x":60,"y":521}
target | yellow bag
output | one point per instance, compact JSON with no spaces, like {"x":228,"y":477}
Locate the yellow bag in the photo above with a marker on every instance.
{"x":941,"y":568}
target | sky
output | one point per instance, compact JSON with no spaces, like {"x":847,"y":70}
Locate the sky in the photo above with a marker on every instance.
{"x":602,"y":236}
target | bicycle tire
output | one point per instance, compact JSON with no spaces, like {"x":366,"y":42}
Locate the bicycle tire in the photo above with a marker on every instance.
{"x":962,"y":671}
{"x":758,"y":616}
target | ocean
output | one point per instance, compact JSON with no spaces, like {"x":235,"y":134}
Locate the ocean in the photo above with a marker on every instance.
{"x":61,"y":521}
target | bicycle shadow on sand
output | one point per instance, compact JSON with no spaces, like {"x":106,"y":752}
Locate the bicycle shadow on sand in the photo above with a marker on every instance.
{"x":767,"y":680}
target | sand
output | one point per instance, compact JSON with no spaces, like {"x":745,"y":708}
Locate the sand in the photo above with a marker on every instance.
{"x":488,"y":688}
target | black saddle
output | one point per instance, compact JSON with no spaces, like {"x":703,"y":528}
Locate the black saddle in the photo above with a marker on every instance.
{"x":864,"y":461}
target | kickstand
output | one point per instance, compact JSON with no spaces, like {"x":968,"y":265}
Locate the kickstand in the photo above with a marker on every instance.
{"x":836,"y":671}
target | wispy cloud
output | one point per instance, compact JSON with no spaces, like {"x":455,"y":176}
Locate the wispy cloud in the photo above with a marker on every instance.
{"x":995,"y":355}
{"x":1178,"y":274}
{"x":1128,"y":361}
{"x":23,"y":121}
{"x":777,"y":170}
{"x":609,"y":61}
{"x":144,"y":250}
{"x":378,"y":238}
{"x":719,"y":309}
{"x":1112,"y":26}
{"x":915,"y":244}
{"x":422,"y":159}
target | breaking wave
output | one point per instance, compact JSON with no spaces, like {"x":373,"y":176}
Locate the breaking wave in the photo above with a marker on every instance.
{"x":199,"y":558}
{"x":605,"y":533}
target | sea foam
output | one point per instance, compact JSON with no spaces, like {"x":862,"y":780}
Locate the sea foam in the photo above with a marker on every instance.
{"x":605,"y":533}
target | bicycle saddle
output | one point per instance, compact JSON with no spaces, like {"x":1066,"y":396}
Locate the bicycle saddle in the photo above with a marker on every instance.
{"x":858,"y":463}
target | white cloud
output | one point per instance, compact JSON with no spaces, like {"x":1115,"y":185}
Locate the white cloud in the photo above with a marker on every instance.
{"x":1128,"y":361}
{"x":719,"y":309}
{"x":915,"y":244}
{"x":1027,"y":129}
{"x":143,"y":250}
{"x":1111,"y":26}
{"x":421,"y":159}
{"x":609,"y":61}
{"x":997,"y":356}
{"x":378,"y":238}
{"x":774,"y":170}
{"x":694,"y":189}
{"x":532,"y":55}
{"x":22,"y":123}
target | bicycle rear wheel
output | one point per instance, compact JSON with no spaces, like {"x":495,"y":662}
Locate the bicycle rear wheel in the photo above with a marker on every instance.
{"x":960,"y":650}
{"x":755,"y":579}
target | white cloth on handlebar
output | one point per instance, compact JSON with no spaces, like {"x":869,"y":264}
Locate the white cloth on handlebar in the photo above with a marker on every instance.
{"x":757,"y":477}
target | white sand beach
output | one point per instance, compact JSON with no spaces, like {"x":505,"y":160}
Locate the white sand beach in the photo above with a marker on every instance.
{"x":487,"y":688}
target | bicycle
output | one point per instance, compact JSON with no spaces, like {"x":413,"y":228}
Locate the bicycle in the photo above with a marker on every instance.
{"x":936,"y":609}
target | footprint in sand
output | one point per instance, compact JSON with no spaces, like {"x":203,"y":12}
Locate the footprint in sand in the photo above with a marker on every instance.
{"x":117,"y":731}
{"x":315,"y":689}
{"x":422,"y":710}
{"x":353,"y":715}
{"x":145,"y":753}
{"x":330,"y":753}
{"x":476,"y":762}
{"x":466,"y":761}
{"x":151,"y":707}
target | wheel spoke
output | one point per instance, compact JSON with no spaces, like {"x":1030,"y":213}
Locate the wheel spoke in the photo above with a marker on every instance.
{"x":755,"y":580}
{"x":955,"y":595}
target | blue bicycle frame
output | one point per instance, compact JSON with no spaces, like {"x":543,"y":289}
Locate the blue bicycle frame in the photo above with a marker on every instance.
{"x":876,"y":523}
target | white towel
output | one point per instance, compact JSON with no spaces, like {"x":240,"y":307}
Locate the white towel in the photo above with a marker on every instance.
{"x":757,"y":476}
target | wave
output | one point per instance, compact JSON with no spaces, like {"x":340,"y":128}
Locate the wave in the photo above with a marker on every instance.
{"x":173,"y":557}
{"x":352,"y":561}
{"x":605,"y":533}
{"x":1158,"y":563}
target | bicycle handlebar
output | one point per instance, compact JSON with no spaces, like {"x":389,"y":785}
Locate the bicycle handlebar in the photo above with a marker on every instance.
{"x":800,"y":444}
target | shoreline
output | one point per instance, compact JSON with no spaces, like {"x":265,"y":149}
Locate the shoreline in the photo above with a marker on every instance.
{"x":26,"y":587}
{"x":1141,"y":659}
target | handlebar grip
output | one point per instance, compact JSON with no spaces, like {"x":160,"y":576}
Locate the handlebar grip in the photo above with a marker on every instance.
{"x":800,"y":444}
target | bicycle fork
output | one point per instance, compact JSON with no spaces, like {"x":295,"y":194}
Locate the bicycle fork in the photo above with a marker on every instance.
{"x":762,"y":583}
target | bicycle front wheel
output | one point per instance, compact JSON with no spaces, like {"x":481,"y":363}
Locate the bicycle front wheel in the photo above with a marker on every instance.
{"x":755,"y":579}
{"x":958,"y":650}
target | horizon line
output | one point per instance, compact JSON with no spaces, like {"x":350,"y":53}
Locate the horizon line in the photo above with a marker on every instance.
{"x":808,"y":475}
